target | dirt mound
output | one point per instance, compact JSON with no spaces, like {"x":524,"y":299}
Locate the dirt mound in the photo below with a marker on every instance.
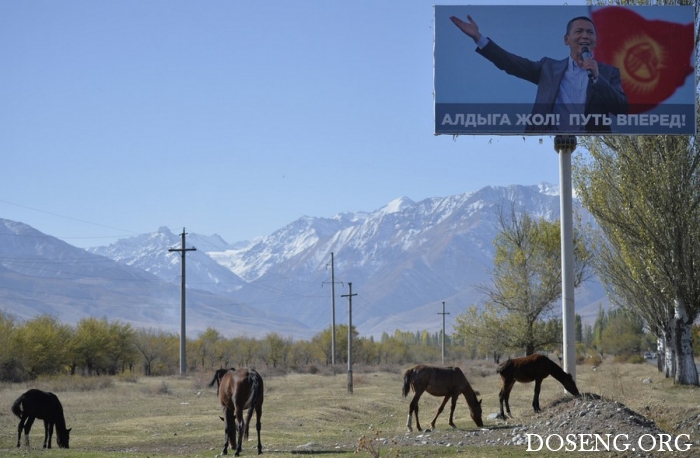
{"x":572,"y":423}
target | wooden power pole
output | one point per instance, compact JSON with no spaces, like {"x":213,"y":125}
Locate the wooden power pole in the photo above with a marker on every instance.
{"x":443,"y":330}
{"x":349,"y":296}
{"x":183,"y":340}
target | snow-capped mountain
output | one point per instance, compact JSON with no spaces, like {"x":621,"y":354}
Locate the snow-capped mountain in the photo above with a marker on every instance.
{"x":153,"y":253}
{"x":403,"y":260}
{"x":40,"y":274}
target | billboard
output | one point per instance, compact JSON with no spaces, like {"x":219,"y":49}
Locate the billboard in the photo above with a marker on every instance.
{"x":569,"y":70}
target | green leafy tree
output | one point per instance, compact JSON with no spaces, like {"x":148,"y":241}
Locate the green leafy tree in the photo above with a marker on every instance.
{"x":323,"y":341}
{"x":623,"y":334}
{"x":275,"y":350}
{"x":11,"y":367}
{"x":121,"y":351}
{"x":644,"y":192}
{"x":526,"y":282}
{"x":645,"y":195}
{"x":89,"y":346}
{"x":42,"y":343}
{"x":209,"y":349}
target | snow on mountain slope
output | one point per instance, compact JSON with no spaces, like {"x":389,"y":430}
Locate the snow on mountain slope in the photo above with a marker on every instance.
{"x":403,"y":260}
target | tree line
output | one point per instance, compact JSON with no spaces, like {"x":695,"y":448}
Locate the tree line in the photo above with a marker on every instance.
{"x":43,"y":346}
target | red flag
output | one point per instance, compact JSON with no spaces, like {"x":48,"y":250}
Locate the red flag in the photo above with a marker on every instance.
{"x":654,"y":57}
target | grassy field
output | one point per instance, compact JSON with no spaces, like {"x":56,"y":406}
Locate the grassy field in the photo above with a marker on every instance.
{"x":308,"y":415}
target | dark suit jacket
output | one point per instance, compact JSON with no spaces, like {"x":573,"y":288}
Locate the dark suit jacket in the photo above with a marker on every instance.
{"x":604,"y":97}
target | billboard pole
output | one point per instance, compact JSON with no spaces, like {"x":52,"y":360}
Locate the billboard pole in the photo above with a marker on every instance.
{"x":564,"y":145}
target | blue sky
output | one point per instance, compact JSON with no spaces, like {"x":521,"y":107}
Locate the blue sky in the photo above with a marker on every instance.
{"x":229,"y":117}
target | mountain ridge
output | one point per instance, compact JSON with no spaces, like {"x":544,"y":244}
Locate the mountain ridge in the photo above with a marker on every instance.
{"x":403,"y":259}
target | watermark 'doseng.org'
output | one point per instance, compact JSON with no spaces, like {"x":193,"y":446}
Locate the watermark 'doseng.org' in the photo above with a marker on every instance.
{"x":608,"y":442}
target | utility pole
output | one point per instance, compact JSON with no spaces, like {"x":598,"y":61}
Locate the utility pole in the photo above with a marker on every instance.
{"x":565,"y":145}
{"x":332,"y":313}
{"x":349,"y":296}
{"x":333,"y":352}
{"x":443,"y":330}
{"x":183,"y":340}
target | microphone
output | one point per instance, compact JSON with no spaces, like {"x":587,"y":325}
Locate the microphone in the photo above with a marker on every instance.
{"x":586,"y":54}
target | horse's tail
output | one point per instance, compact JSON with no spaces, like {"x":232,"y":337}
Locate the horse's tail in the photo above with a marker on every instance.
{"x":407,"y":382}
{"x":214,"y":380}
{"x":17,"y":406}
{"x":256,"y":394}
{"x":218,"y":376}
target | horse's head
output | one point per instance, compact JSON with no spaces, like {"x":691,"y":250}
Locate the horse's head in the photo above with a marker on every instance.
{"x":475,"y":412}
{"x":63,"y":437}
{"x":570,"y":385}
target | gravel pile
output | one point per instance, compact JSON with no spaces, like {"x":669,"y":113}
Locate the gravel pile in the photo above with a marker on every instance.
{"x":624,"y":431}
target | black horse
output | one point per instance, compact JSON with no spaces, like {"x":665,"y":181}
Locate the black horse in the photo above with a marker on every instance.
{"x":45,"y":406}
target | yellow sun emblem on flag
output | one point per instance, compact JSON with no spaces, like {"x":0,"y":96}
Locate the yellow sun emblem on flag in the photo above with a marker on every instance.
{"x":641,"y":61}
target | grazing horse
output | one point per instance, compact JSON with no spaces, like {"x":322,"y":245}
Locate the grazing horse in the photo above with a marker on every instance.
{"x":239,"y":390}
{"x":440,"y":381}
{"x":45,"y":406}
{"x":527,"y":369}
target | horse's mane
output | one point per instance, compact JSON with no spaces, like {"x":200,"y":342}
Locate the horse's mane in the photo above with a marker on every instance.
{"x":555,"y":369}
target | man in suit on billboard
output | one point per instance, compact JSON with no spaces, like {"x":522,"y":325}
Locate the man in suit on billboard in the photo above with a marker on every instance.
{"x":575,"y":88}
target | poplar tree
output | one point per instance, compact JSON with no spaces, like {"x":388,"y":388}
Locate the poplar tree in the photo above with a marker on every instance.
{"x":644,"y":192}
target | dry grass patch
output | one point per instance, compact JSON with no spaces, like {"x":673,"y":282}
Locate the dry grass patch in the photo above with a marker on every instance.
{"x":310,"y":414}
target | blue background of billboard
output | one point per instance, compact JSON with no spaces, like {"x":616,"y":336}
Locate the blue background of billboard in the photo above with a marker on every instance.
{"x":466,"y":82}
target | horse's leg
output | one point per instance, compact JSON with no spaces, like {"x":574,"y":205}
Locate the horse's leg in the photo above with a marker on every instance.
{"x":452,"y":409}
{"x":503,"y":397}
{"x":228,"y":422}
{"x":509,"y":388}
{"x":536,"y":399}
{"x":413,"y":407}
{"x":241,"y":428}
{"x":19,"y":428}
{"x":258,"y":414}
{"x":439,"y":411}
{"x":47,"y":425}
{"x":28,"y":427}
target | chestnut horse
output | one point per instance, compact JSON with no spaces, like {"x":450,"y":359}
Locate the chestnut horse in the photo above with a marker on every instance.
{"x":239,"y":389}
{"x":527,"y":369}
{"x":440,"y":381}
{"x":45,"y":406}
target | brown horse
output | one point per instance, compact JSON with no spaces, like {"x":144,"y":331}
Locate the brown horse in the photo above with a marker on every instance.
{"x":239,"y":390}
{"x":527,"y":369}
{"x":45,"y":406}
{"x":440,"y":381}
